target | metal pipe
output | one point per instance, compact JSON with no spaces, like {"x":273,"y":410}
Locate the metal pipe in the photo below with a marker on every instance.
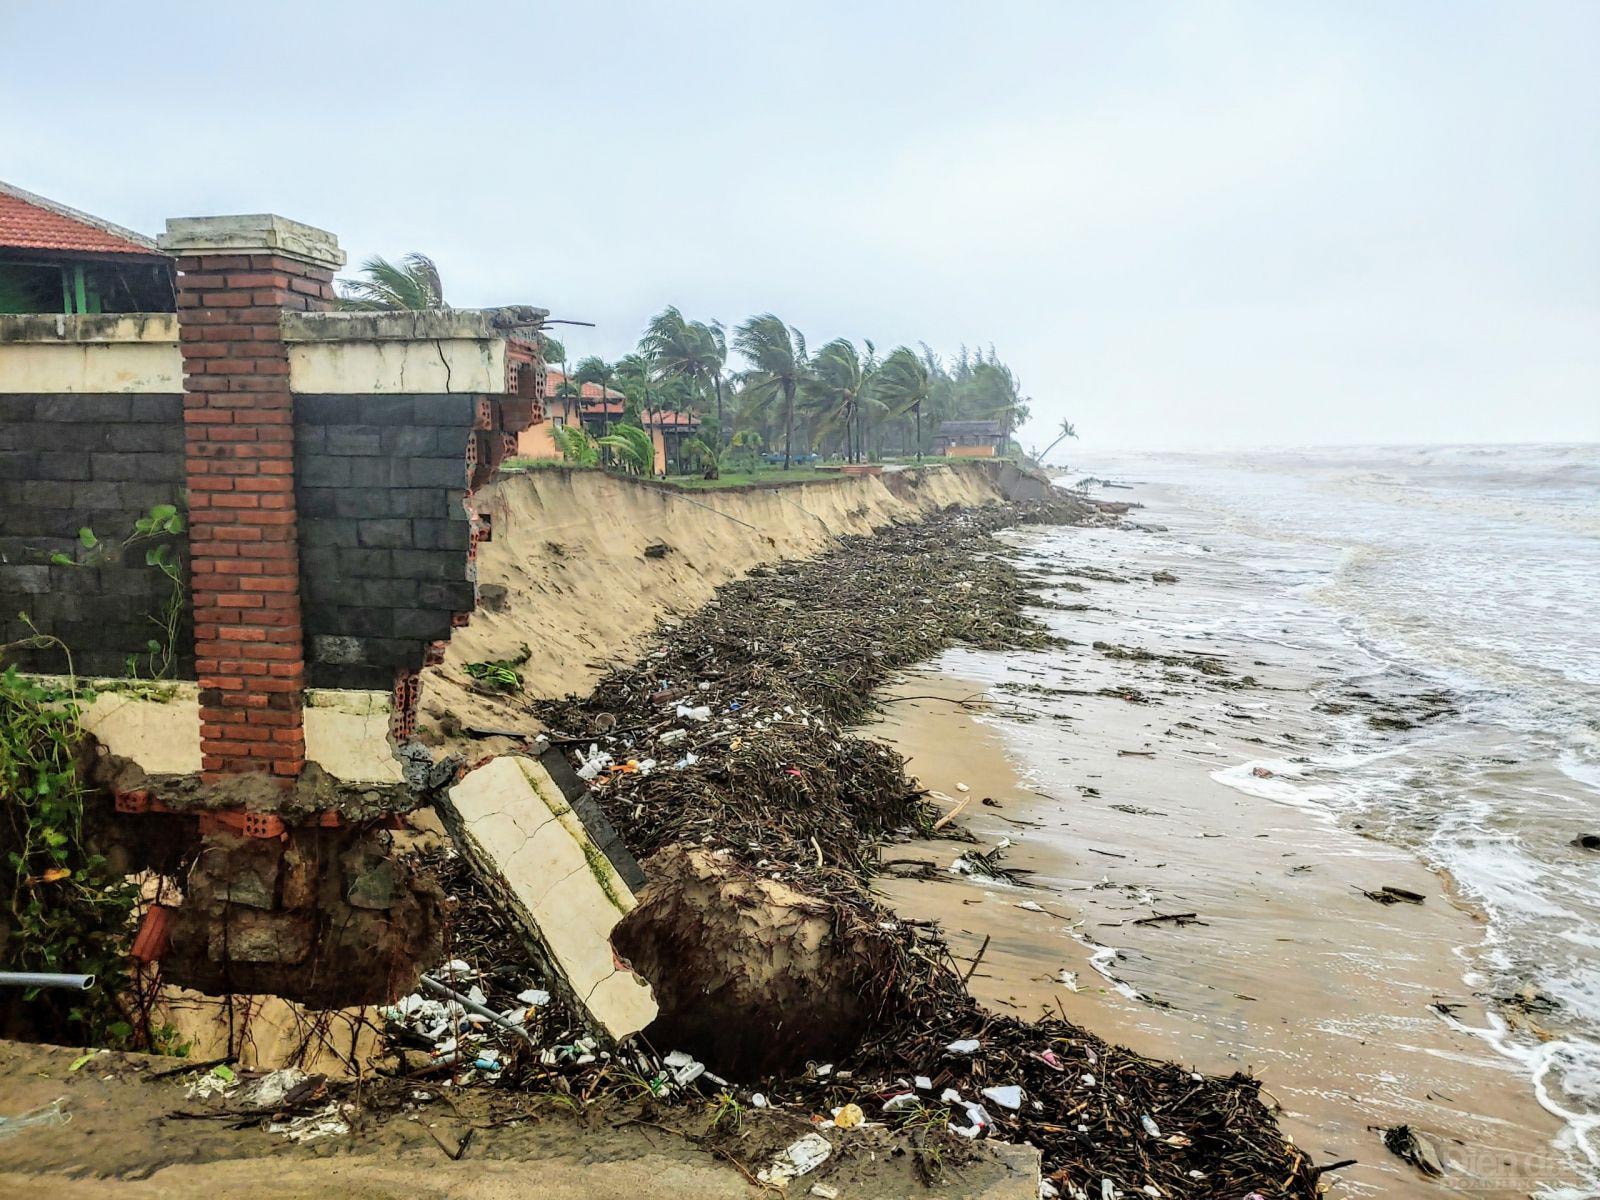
{"x":45,"y":979}
{"x":472,"y":1006}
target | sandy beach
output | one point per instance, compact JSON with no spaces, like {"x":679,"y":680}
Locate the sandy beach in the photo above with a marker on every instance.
{"x":1286,"y":969}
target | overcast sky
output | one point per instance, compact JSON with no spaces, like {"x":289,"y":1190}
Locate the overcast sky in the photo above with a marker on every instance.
{"x":1185,"y":225}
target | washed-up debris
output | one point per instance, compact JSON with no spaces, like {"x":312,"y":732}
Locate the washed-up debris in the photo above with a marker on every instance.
{"x":685,"y":1068}
{"x":1587,"y":841}
{"x":782,"y":792}
{"x":325,"y":1122}
{"x":212,"y":1083}
{"x":800,"y":1158}
{"x":54,"y":1113}
{"x":1009,"y":1096}
{"x":1389,"y":894}
{"x":1529,"y":999}
{"x":277,"y":1089}
{"x":1416,"y":1148}
{"x":849,"y":1116}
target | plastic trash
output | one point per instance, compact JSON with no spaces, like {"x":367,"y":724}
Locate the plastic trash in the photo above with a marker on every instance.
{"x":964,"y":1046}
{"x":271,"y":1088}
{"x":799,"y":1158}
{"x":685,"y":1068}
{"x":849,"y":1116}
{"x":49,"y":1114}
{"x":978,"y":1121}
{"x":1149,"y":1125}
{"x":901,"y":1102}
{"x":1007,"y":1096}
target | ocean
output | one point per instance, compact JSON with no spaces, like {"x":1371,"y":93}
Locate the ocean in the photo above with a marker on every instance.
{"x":1450,"y":596}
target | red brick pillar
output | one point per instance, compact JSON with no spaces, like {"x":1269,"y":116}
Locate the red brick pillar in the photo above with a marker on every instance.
{"x":236,"y":276}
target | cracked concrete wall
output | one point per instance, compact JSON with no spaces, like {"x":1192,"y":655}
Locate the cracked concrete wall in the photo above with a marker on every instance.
{"x":515,"y":825}
{"x":356,"y":353}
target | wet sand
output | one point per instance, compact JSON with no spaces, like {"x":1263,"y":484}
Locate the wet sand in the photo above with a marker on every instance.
{"x":1291,"y":973}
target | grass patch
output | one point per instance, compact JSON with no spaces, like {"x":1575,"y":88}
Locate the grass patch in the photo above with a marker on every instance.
{"x":766,"y":477}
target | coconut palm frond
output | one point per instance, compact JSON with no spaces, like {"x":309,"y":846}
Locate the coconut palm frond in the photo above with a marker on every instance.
{"x":576,"y":446}
{"x":634,"y":448}
{"x":412,"y":283}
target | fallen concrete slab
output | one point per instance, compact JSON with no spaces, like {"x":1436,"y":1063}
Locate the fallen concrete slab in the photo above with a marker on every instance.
{"x":559,"y":882}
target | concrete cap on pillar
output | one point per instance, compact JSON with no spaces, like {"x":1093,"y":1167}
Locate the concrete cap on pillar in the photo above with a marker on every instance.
{"x":259,"y":233}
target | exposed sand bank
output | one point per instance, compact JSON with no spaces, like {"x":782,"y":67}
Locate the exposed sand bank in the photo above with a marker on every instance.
{"x":1294,"y":974}
{"x":566,"y":573}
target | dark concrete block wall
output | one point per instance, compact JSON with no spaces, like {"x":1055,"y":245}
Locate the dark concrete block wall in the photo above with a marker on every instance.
{"x":96,"y":460}
{"x":384,"y":536}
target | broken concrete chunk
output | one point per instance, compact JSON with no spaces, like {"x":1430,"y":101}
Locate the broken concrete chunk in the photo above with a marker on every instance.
{"x":528,"y":843}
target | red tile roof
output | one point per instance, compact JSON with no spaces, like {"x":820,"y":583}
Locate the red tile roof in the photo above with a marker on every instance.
{"x":614,"y":403}
{"x":590,"y":391}
{"x":30,"y":222}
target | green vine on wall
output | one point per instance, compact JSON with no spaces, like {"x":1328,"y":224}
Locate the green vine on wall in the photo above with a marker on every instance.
{"x":163,"y":520}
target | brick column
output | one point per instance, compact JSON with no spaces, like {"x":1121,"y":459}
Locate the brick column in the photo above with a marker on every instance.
{"x":236,"y":276}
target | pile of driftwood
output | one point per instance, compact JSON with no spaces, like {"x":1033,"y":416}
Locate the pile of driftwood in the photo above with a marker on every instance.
{"x":731,"y":735}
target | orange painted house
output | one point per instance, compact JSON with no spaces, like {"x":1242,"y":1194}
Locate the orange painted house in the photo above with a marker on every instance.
{"x":667,"y":429}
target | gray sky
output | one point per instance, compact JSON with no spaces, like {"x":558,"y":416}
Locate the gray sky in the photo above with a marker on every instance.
{"x":1184,"y":224}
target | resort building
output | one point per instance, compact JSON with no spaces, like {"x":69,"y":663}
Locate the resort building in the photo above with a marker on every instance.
{"x":599,"y":409}
{"x":968,"y":439}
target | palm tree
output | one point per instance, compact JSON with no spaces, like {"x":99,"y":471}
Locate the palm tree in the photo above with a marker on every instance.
{"x":634,"y":380}
{"x":778,"y":365}
{"x":596,"y":370}
{"x":689,"y":350}
{"x":836,"y":385}
{"x":412,"y":283}
{"x":635,"y":450}
{"x":715,"y":356}
{"x":903,"y":385}
{"x":1067,"y":431}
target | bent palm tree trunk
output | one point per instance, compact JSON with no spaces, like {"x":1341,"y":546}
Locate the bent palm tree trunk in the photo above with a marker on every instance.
{"x":788,"y":423}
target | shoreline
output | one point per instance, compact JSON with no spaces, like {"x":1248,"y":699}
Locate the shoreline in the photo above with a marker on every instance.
{"x":1295,"y":975}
